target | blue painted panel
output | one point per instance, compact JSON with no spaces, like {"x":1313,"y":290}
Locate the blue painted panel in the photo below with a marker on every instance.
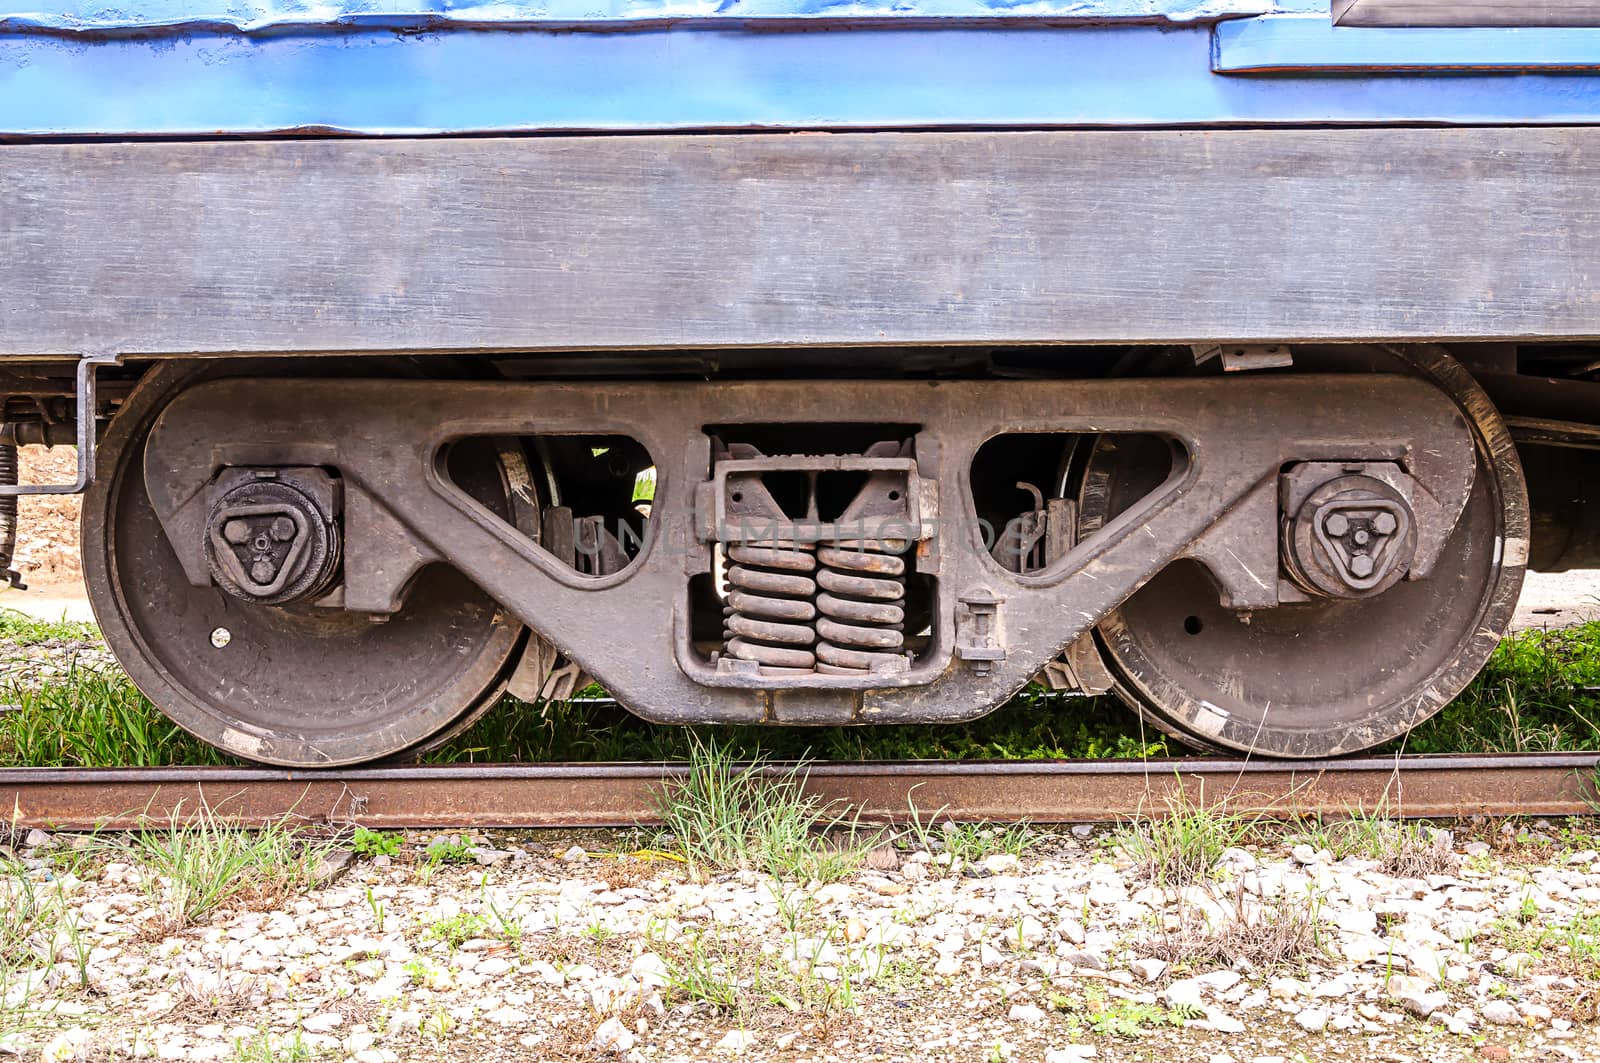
{"x":1312,"y":44}
{"x":379,"y":82}
{"x":277,"y":15}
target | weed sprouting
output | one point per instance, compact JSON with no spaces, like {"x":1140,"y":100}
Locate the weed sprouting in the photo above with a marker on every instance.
{"x":263,"y":1047}
{"x":370,"y":843}
{"x":1115,"y":1016}
{"x":702,"y":971}
{"x":1182,"y":846}
{"x":195,"y":865}
{"x":1400,"y":848}
{"x":456,"y":930}
{"x":379,"y":910}
{"x":727,"y":815}
{"x":440,"y":852}
{"x":964,"y":843}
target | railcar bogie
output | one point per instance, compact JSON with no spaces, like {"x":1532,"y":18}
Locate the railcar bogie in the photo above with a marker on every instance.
{"x":315,"y":562}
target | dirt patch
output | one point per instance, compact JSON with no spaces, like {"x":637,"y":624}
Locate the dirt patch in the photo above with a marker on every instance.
{"x":47,"y":533}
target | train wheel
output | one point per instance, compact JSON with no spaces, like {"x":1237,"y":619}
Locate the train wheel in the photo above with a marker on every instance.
{"x":1329,"y":676}
{"x":294,"y":685}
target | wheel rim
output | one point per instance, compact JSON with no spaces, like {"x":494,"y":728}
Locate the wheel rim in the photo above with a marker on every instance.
{"x":1330,"y":676}
{"x":294,"y":686}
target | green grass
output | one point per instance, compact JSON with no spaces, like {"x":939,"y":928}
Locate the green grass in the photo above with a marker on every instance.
{"x":19,"y":629}
{"x":1540,"y":692}
{"x":727,"y":816}
{"x":1036,"y":725}
{"x":199,"y":864}
{"x":91,"y":719}
{"x":371,"y":843}
{"x":1181,"y":845}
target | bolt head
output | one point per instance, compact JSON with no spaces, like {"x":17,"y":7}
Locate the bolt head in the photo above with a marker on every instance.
{"x":236,"y":531}
{"x":1361,"y":565}
{"x":1384,"y":524}
{"x":283,"y":529}
{"x":1337,"y":524}
{"x":262,"y":572}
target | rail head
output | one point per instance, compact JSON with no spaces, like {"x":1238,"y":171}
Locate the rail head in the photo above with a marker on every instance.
{"x":622,"y":795}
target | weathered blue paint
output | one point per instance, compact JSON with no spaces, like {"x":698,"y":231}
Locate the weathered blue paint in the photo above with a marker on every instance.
{"x":1312,"y":44}
{"x":264,"y":16}
{"x":380,"y":82}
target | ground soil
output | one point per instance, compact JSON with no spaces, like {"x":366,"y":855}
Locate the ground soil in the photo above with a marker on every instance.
{"x":47,"y":540}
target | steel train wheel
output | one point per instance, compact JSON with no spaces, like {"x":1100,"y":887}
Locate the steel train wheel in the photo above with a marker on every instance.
{"x":297,"y":686}
{"x":1329,"y":676}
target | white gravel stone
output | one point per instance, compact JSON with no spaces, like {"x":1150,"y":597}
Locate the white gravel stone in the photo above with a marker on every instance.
{"x":1222,"y":1022}
{"x":1071,"y":1054}
{"x":1148,"y":970}
{"x":1499,"y":1012}
{"x":1416,"y":995}
{"x":612,"y":1036}
{"x":1001,"y":864}
{"x":1313,"y":1019}
{"x":1184,"y":993}
{"x":1025,"y":1013}
{"x":736,"y":1041}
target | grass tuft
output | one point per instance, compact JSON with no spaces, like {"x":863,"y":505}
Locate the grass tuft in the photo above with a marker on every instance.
{"x":1401,"y":849}
{"x":197,"y":865}
{"x":20,"y":629}
{"x":92,"y":719}
{"x":1540,"y":692}
{"x":1181,"y":847}
{"x":729,"y":816}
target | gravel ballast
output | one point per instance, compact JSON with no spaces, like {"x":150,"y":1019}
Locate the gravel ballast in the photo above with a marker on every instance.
{"x":554,"y":947}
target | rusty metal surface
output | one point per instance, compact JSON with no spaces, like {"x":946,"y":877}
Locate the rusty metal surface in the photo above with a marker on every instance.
{"x":612,"y":795}
{"x":385,"y":435}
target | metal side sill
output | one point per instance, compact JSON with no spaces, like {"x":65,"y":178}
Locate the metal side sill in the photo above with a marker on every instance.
{"x":1312,"y":44}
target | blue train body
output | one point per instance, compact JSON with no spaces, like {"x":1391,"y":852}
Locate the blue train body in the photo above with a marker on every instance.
{"x":389,"y":68}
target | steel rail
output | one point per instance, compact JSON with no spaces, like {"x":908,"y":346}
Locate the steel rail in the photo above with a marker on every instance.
{"x":613,"y":795}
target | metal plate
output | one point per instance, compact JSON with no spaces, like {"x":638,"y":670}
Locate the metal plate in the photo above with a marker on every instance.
{"x":793,"y":240}
{"x":1466,"y":13}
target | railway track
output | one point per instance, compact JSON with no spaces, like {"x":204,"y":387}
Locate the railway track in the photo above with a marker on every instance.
{"x":613,"y":795}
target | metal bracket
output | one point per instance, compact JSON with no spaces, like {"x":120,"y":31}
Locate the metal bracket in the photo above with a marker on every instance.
{"x":86,"y":437}
{"x":1239,"y":357}
{"x":978,"y":642}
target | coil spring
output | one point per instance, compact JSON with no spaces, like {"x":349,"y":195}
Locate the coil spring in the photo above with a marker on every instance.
{"x":862,"y":602}
{"x":8,"y":510}
{"x":768,"y":618}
